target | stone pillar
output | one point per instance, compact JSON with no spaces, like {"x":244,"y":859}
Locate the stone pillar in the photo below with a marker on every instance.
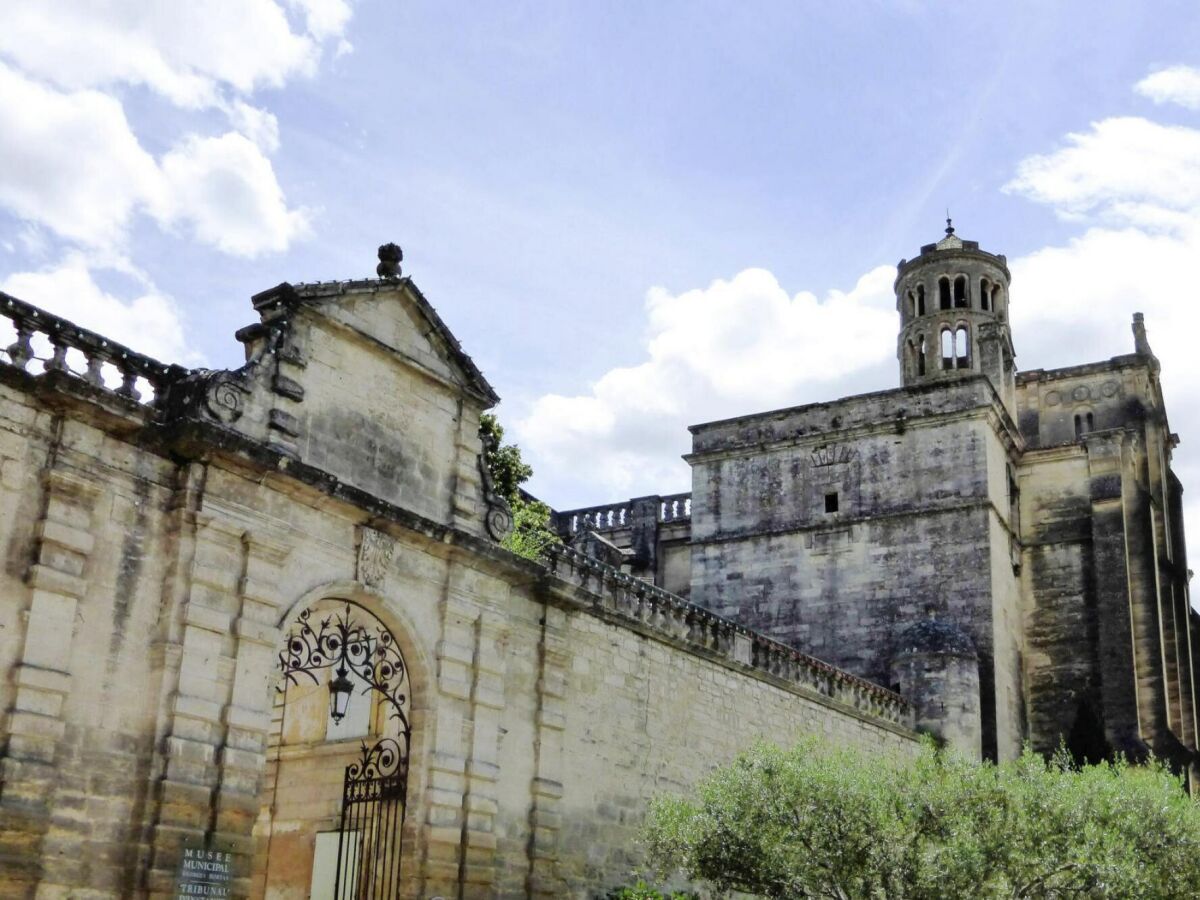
{"x":57,"y":580}
{"x":643,"y":536}
{"x":195,"y":727}
{"x":247,"y":717}
{"x":545,"y":817}
{"x":1110,"y":562}
{"x":461,"y":796}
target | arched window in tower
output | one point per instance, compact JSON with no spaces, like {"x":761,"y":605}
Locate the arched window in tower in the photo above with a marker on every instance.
{"x":1085,"y":423}
{"x":997,"y":297}
{"x":920,"y":299}
{"x":944,"y":292}
{"x":921,"y":355}
{"x":962,"y":344}
{"x":985,"y":293}
{"x":960,"y":292}
{"x":947,"y":348}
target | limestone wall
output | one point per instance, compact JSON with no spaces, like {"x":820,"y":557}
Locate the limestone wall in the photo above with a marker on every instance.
{"x":919,"y":480}
{"x":157,"y":556}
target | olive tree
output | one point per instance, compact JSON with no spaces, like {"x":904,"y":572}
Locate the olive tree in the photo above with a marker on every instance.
{"x":815,"y":822}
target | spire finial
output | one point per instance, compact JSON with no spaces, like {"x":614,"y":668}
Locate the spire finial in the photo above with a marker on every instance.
{"x":949,"y":225}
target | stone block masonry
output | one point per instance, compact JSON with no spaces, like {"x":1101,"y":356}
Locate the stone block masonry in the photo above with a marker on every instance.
{"x":166,"y":535}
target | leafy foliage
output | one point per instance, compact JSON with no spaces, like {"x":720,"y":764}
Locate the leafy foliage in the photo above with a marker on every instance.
{"x":642,"y":891}
{"x":811,"y":822}
{"x":531,"y":518}
{"x":503,"y":461}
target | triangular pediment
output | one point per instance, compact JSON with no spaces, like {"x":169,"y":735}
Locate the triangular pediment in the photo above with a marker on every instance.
{"x":393,"y":316}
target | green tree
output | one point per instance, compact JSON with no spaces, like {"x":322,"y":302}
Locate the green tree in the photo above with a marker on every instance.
{"x":531,"y":532}
{"x":813,"y":822}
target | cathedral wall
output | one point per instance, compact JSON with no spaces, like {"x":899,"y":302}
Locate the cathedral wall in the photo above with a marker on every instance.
{"x":1007,"y":608}
{"x":1061,"y":617}
{"x":911,"y":530}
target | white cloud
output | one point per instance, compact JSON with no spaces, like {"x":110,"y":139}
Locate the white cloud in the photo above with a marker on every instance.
{"x":73,"y":165}
{"x":734,"y":347}
{"x":1177,"y":84}
{"x":71,"y":162}
{"x":149,"y":323}
{"x":258,"y":125}
{"x":187,"y":52}
{"x":1126,"y":170}
{"x":324,"y":19}
{"x":225,"y":189}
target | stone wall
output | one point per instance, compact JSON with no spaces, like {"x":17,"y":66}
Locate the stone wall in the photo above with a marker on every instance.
{"x":158,"y":552}
{"x":918,"y":481}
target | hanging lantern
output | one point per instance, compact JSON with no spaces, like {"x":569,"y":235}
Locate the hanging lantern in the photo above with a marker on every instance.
{"x":340,"y":689}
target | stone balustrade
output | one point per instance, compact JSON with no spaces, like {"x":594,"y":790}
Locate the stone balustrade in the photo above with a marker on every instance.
{"x":44,"y":344}
{"x":635,"y":601}
{"x":612,"y":516}
{"x":675,"y":508}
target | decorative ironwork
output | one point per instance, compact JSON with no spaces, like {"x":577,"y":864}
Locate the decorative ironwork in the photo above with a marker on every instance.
{"x":373,"y":807}
{"x":371,"y":655}
{"x":375,"y":785}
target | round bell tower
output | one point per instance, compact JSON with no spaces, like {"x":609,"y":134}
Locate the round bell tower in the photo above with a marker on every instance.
{"x":953,"y":305}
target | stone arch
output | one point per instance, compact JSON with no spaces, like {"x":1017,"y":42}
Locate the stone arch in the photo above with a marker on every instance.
{"x":300,"y":807}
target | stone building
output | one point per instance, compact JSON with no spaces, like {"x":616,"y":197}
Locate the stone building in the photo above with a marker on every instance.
{"x":258,"y":635}
{"x":258,"y":630}
{"x":1034,"y":515}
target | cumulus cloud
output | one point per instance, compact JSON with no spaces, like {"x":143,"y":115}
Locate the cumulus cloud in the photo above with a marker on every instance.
{"x":150,"y":322}
{"x":71,"y":161}
{"x":1177,"y":84}
{"x":74,"y":165}
{"x":258,"y":125}
{"x":734,"y":347}
{"x":187,"y":52}
{"x":1127,"y":170}
{"x":225,"y":190}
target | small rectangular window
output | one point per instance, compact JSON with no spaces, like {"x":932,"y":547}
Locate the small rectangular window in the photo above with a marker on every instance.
{"x":831,"y":502}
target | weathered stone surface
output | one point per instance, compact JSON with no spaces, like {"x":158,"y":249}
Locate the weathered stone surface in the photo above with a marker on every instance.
{"x":160,"y":549}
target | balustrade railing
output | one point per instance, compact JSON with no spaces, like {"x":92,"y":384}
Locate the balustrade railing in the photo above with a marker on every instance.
{"x":42,"y":343}
{"x":611,"y":516}
{"x":675,"y":508}
{"x":632,"y":599}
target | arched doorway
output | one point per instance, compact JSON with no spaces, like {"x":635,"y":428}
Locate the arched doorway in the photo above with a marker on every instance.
{"x":332,"y":822}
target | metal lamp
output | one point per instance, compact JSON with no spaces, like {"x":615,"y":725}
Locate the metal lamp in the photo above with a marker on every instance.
{"x":340,"y":690}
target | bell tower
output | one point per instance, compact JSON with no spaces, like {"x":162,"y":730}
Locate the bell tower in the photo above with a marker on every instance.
{"x":953,"y":305}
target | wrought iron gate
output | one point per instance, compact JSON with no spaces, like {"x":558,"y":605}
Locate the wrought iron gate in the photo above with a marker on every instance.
{"x":367,"y":656}
{"x":368,"y":865}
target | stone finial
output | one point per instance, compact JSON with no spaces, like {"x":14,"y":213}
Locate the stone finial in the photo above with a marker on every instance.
{"x":1141,"y":344}
{"x":389,"y":261}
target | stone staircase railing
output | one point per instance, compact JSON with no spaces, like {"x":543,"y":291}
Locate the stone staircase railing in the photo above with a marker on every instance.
{"x":44,"y":343}
{"x":634,"y":600}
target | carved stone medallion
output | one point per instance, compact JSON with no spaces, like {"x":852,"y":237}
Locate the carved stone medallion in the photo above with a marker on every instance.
{"x":375,"y":552}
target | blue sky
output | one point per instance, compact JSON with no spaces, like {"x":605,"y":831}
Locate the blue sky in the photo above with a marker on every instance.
{"x":634,"y":216}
